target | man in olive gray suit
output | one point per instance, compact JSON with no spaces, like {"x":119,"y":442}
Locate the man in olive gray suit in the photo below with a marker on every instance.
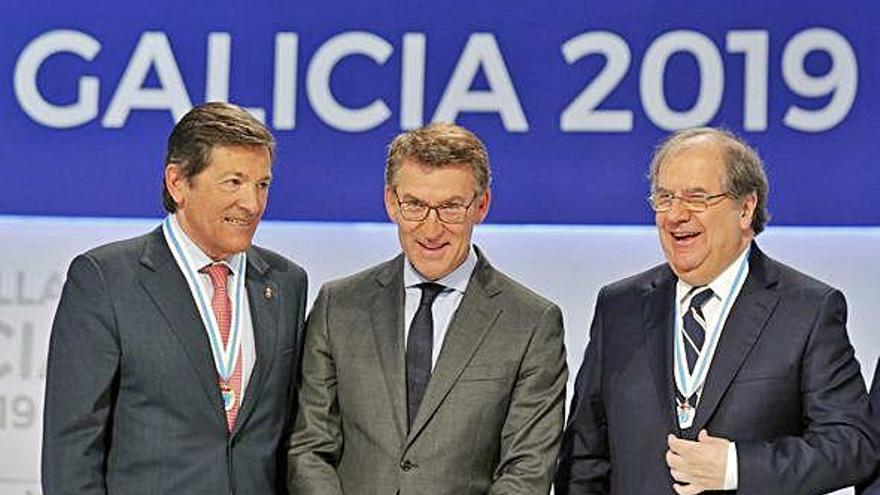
{"x":432,"y":373}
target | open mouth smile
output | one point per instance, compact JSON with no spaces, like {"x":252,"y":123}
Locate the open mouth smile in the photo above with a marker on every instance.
{"x":238,"y":222}
{"x":684,"y":237}
{"x":432,"y":248}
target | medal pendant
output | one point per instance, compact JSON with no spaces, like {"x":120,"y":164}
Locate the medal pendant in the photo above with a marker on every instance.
{"x":228,"y":396}
{"x":686,"y":415}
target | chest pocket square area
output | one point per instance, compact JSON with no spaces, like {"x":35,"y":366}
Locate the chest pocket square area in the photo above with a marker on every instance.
{"x":484,"y":372}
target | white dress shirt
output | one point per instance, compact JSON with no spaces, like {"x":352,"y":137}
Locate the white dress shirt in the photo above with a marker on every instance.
{"x":722,"y":287}
{"x":200,"y":260}
{"x":446,"y":302}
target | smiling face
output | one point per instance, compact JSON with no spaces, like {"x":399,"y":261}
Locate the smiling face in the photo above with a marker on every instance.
{"x":220,"y":207}
{"x":700,"y":245}
{"x":435,"y":248}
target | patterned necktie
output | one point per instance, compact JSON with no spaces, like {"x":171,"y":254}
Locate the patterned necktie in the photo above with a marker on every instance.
{"x":419,"y":349}
{"x":695,"y":326}
{"x":231,"y":389}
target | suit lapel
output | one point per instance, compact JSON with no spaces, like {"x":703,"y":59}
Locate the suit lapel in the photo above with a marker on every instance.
{"x":386,"y":319}
{"x":472,"y":321}
{"x":163,"y":281}
{"x":264,"y":318}
{"x":743,"y":327}
{"x":659,"y":327}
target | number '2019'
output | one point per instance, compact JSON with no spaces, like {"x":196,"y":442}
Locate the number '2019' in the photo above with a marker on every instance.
{"x":838,"y":85}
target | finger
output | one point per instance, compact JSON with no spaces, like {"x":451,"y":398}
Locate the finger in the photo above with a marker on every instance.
{"x":693,"y":452}
{"x":681,"y":476}
{"x":705,"y":438}
{"x":675,"y":443}
{"x":674,"y":460}
{"x":691,"y":489}
{"x":680,"y":445}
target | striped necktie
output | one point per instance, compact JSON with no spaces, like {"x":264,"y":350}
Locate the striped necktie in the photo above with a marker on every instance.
{"x":695,"y":326}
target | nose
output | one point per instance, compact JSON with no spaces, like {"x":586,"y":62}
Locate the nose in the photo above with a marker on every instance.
{"x":431,"y":226}
{"x":677,"y":212}
{"x":250,"y":198}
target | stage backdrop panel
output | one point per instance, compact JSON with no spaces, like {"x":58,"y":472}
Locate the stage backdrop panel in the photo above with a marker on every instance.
{"x":570,"y":97}
{"x":567,"y":264}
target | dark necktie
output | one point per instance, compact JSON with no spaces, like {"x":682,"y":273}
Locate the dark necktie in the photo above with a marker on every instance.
{"x":419,"y":347}
{"x":695,"y":326}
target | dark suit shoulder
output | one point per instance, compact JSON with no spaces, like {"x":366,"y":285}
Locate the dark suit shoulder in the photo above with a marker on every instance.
{"x":638,"y":283}
{"x":125,"y":251}
{"x":793,"y":279}
{"x":789,"y":279}
{"x":280,"y":263}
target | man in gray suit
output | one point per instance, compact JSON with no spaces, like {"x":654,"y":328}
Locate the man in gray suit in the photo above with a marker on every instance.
{"x":173,"y":355}
{"x":432,"y":373}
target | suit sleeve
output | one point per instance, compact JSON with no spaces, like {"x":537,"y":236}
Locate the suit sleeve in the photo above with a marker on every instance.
{"x":872,"y":486}
{"x":838,"y":446}
{"x":316,"y":441}
{"x":584,"y":459}
{"x":533,"y":428}
{"x":301,"y":285}
{"x":81,"y":383}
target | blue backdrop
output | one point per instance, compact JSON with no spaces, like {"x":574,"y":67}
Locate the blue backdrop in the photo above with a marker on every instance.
{"x":570,"y":98}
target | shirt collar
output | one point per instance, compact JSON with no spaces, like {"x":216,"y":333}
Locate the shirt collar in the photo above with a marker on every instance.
{"x":195,"y":253}
{"x":457,"y":280}
{"x":720,"y":286}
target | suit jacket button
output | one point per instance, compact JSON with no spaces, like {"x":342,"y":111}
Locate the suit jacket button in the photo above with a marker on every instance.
{"x":407,"y":465}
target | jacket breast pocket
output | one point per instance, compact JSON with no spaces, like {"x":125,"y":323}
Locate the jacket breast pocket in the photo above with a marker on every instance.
{"x":484,"y":373}
{"x":755,"y":373}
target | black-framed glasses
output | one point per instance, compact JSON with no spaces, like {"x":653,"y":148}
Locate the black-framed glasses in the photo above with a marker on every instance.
{"x":418,"y":211}
{"x":696,"y":202}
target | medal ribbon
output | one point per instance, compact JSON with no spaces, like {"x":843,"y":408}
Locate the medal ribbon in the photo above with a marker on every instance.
{"x":688,"y":384}
{"x":225,"y":357}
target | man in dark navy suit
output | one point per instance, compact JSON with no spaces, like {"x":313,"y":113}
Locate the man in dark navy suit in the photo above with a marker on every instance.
{"x":721,"y":369}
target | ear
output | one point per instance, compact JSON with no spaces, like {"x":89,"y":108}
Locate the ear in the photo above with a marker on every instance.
{"x":175,"y":182}
{"x":390,"y":204}
{"x":483,"y":203}
{"x":747,"y":211}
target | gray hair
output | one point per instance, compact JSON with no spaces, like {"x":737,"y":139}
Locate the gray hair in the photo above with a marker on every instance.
{"x":745,"y":169}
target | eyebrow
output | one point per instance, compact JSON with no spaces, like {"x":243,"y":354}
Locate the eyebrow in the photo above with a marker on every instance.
{"x":410,"y":198}
{"x":243,"y":176}
{"x":696,"y":190}
{"x":686,"y":191}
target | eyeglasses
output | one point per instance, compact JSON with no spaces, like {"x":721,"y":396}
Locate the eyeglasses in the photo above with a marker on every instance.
{"x":695,"y":202}
{"x":417,"y":211}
